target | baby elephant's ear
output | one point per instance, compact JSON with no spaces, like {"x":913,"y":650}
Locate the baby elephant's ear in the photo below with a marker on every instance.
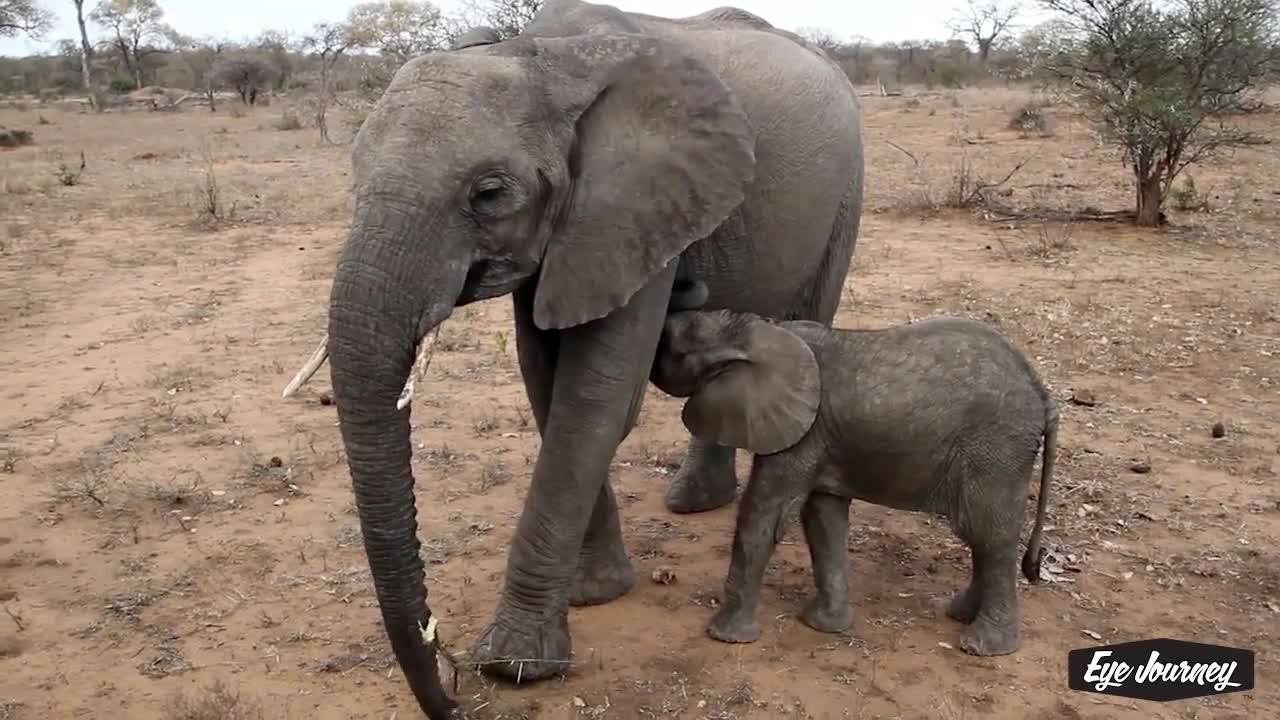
{"x":763,"y":404}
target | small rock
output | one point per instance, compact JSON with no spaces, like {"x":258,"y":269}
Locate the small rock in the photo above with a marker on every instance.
{"x":946,"y":645}
{"x":276,"y":461}
{"x":1081,"y":396}
{"x":279,"y":502}
{"x":1092,"y":634}
{"x":1142,"y":467}
{"x":664,"y":576}
{"x":217,"y":493}
{"x":1219,"y":430}
{"x":325,"y":399}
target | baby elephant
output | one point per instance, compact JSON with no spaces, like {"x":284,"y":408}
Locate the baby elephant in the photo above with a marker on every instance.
{"x":942,"y":416}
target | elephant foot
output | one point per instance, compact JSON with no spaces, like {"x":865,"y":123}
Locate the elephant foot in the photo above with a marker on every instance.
{"x":827,"y":617}
{"x":601,"y":579}
{"x":519,"y":650}
{"x":989,"y":637}
{"x":700,"y":485}
{"x":731,"y":625}
{"x":963,"y":606}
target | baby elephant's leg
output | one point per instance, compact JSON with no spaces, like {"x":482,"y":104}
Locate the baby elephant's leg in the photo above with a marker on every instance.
{"x":759,"y":512}
{"x":826,"y":530}
{"x":989,"y":521}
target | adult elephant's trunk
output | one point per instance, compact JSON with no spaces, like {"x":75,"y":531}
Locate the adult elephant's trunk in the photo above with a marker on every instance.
{"x":384,"y":300}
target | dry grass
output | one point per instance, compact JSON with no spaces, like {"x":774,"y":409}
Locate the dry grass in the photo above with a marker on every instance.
{"x":219,"y":701}
{"x":166,"y":520}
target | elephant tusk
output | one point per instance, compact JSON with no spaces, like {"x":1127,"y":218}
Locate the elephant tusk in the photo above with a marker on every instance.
{"x":419,"y":368}
{"x":317,"y":359}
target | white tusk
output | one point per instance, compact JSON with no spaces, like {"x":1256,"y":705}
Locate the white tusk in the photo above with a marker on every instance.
{"x":317,"y":359}
{"x":419,"y":368}
{"x":429,"y":632}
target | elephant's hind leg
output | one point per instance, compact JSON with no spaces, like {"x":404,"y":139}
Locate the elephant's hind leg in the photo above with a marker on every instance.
{"x":604,"y":572}
{"x":988,"y":517}
{"x":994,"y":629}
{"x":826,"y":531}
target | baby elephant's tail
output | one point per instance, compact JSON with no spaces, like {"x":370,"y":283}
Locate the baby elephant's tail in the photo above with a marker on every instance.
{"x":1035,"y":554}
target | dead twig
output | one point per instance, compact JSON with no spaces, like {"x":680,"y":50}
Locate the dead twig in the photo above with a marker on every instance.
{"x":17,"y":619}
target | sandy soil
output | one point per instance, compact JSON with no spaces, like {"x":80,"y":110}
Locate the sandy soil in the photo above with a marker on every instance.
{"x":177,"y":542}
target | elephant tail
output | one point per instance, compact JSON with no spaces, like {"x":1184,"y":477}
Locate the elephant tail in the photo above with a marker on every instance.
{"x":1035,"y":553}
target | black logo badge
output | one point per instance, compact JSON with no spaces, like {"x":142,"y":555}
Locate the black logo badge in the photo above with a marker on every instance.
{"x":1161,"y":669}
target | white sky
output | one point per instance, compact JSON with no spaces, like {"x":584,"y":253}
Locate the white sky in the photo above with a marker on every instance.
{"x":238,"y":19}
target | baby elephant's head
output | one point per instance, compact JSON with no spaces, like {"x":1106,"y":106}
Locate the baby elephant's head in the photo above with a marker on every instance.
{"x":751,"y":384}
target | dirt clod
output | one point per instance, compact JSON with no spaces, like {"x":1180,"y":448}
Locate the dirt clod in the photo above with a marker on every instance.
{"x":326,"y":399}
{"x":1219,"y":430}
{"x":276,"y":462}
{"x":1142,"y":467}
{"x":1082,"y":396}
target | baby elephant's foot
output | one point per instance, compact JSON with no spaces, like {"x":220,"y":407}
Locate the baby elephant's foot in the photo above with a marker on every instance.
{"x":827,"y":617}
{"x":963,"y":606}
{"x":732,"y":625}
{"x":987,"y":637}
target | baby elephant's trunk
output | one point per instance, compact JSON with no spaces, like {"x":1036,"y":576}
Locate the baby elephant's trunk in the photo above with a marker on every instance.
{"x":1035,"y":554}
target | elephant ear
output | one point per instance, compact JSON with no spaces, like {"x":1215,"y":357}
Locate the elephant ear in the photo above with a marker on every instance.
{"x":763,"y":404}
{"x":660,"y":156}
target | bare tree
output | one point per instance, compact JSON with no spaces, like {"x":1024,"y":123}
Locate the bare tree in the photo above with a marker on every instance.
{"x":137,"y":26}
{"x":24,"y":16}
{"x":328,"y":41}
{"x":246,"y":73}
{"x":398,"y":29}
{"x":983,"y":23}
{"x":508,"y":17}
{"x":821,"y":37}
{"x":86,"y":58}
{"x":201,"y":58}
{"x":1161,"y":80}
{"x":275,"y":46}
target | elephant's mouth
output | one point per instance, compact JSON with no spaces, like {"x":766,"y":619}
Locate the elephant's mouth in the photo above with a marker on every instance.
{"x":492,"y":277}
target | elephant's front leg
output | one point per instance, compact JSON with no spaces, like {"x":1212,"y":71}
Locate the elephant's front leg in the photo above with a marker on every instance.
{"x":604,"y":571}
{"x":600,"y":367}
{"x":775,"y":481}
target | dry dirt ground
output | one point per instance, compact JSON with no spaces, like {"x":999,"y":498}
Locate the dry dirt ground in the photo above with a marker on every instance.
{"x":177,"y":542}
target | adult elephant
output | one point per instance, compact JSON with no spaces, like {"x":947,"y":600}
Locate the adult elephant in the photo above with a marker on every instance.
{"x":590,"y":167}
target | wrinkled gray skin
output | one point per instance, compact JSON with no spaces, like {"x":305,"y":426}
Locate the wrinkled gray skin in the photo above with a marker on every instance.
{"x":600,"y":168}
{"x":942,"y":416}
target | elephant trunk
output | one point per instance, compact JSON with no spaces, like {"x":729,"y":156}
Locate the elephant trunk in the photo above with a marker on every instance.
{"x":381,"y":306}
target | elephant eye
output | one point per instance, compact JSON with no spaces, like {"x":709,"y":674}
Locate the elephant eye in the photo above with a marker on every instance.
{"x":489,"y":194}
